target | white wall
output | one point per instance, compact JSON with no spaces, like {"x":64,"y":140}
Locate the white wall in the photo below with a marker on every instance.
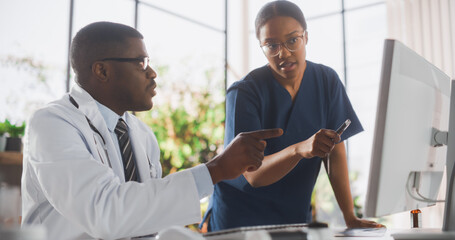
{"x":427,"y":27}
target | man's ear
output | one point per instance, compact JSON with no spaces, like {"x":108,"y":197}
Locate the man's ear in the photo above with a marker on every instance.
{"x":306,"y":36}
{"x":100,"y":70}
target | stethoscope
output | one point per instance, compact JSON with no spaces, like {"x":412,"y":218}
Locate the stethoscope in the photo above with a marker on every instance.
{"x":95,"y":130}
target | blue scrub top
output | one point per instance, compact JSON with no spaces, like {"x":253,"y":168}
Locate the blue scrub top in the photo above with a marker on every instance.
{"x":259,"y":102}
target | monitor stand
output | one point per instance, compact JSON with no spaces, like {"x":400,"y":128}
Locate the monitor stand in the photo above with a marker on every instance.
{"x":448,"y":229}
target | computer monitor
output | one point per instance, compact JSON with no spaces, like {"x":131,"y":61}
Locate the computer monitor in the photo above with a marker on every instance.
{"x":411,"y":138}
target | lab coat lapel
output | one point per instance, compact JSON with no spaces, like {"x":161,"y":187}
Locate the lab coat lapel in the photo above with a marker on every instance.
{"x":138,"y":139}
{"x":87,"y":105}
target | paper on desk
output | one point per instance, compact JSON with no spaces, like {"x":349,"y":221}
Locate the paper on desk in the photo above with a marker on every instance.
{"x":362,"y":232}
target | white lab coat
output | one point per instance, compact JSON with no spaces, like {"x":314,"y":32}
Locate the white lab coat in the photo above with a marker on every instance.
{"x":69,"y":187}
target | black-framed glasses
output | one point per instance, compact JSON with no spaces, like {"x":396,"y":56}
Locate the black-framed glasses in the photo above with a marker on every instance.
{"x":272,"y":49}
{"x":143,"y":61}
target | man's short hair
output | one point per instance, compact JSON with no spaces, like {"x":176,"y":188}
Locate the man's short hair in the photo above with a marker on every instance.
{"x":97,"y":41}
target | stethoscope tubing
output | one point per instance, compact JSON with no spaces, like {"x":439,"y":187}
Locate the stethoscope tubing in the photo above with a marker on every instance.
{"x":95,"y":130}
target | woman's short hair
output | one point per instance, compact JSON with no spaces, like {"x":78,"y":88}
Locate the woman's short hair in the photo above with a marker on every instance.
{"x":278,"y":8}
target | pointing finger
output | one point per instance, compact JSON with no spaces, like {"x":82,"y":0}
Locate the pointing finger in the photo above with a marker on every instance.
{"x":265,"y":133}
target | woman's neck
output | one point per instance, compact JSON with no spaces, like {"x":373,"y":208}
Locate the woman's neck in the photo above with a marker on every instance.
{"x":292,"y":85}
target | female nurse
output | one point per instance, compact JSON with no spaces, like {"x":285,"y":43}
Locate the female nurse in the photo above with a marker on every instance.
{"x":307,"y":100}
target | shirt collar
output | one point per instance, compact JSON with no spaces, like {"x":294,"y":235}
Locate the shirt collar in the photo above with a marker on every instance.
{"x":110,"y":117}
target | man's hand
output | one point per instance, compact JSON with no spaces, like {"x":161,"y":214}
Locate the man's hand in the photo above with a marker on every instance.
{"x":244,"y":153}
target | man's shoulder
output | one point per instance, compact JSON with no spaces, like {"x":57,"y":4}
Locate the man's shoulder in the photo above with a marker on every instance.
{"x":60,"y":108}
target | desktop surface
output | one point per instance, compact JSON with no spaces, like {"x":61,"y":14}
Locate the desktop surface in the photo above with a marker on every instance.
{"x":274,"y":232}
{"x":421,"y":234}
{"x":297,"y":231}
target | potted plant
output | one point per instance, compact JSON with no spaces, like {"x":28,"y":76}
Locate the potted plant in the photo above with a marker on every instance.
{"x":14,"y":141}
{"x":2,"y":136}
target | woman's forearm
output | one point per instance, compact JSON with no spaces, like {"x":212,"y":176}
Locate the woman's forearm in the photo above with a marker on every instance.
{"x":339,"y":179}
{"x":274,"y":167}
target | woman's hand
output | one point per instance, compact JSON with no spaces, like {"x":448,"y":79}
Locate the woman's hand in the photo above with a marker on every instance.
{"x":356,"y":222}
{"x":318,"y":145}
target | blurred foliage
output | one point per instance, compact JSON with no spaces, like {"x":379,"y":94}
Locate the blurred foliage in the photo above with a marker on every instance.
{"x":29,"y":84}
{"x":324,"y":204}
{"x":358,"y":210}
{"x":189,"y":129}
{"x":26,"y":64}
{"x":12,"y":129}
{"x":188,"y":114}
{"x":3,"y":129}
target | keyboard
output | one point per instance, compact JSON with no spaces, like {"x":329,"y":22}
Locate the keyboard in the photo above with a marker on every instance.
{"x":278,"y":231}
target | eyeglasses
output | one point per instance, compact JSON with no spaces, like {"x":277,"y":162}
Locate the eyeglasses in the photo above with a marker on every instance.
{"x":292,"y":45}
{"x":143,"y":61}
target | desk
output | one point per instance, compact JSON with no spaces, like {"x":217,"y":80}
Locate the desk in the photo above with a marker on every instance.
{"x":294,"y":233}
{"x":386,"y":236}
{"x":10,"y":158}
{"x":11,"y":168}
{"x":331,"y":234}
{"x":178,"y":232}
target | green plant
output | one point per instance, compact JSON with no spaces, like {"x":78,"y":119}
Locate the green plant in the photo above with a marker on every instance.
{"x":3,"y":129}
{"x":358,"y":207}
{"x":14,"y":130}
{"x":189,"y":133}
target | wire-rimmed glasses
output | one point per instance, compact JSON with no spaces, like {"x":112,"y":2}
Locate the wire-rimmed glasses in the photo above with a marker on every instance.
{"x":272,"y":49}
{"x":143,"y":61}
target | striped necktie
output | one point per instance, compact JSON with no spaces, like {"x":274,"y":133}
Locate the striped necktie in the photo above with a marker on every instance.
{"x":127,"y":152}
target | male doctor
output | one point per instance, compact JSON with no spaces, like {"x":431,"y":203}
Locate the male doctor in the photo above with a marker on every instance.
{"x":92,"y":170}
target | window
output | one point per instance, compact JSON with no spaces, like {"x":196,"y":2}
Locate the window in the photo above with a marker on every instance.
{"x":33,"y":55}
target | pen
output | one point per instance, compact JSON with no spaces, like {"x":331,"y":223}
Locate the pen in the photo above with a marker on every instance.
{"x":343,"y":127}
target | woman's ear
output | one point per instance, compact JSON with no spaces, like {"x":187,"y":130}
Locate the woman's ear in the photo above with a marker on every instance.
{"x":100,"y":70}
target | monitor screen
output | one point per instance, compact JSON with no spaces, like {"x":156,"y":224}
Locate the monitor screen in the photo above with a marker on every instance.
{"x":414,"y":99}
